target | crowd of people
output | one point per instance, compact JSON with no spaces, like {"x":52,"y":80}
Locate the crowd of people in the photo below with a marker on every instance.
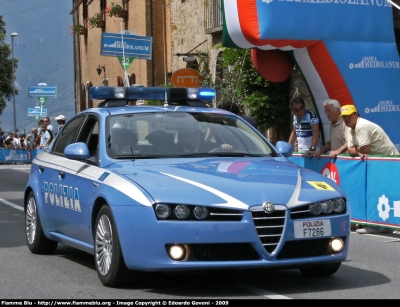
{"x":40,"y":137}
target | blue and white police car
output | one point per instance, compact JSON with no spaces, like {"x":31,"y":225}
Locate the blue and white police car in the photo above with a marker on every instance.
{"x":174,"y":185}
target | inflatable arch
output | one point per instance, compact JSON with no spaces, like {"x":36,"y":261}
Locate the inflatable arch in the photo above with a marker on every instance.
{"x":345,"y":49}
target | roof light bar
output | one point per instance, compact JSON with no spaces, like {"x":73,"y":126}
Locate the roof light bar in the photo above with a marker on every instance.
{"x":150,"y":93}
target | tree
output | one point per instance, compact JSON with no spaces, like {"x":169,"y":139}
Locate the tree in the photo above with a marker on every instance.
{"x":6,"y":77}
{"x":238,"y":81}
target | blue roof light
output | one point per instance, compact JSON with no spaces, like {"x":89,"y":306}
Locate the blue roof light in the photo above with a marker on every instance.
{"x":206,"y":93}
{"x":150,"y":93}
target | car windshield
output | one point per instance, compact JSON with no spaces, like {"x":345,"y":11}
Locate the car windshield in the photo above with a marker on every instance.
{"x":182,"y":134}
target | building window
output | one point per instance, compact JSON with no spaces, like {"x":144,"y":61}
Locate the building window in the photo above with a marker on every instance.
{"x":103,"y":5}
{"x":213,"y":19}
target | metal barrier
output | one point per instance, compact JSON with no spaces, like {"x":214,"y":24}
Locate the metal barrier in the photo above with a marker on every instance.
{"x":17,"y":155}
{"x":372,"y":187}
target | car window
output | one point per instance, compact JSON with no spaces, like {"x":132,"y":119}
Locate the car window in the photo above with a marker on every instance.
{"x":173,"y":134}
{"x":89,"y":134}
{"x":67,"y":135}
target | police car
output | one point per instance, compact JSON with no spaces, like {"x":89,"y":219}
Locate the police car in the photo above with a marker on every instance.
{"x":175,"y":185}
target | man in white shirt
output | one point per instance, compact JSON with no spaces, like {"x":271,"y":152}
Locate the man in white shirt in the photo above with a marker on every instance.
{"x":366,"y":137}
{"x":337,"y":141}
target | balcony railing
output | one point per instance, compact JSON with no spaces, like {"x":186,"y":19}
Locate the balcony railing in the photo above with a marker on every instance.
{"x":213,"y":19}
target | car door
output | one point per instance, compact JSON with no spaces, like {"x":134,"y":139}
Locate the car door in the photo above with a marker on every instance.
{"x":50,"y":179}
{"x":77,"y":186}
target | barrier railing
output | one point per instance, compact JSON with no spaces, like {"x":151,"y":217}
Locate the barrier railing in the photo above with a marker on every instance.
{"x":372,"y":187}
{"x":17,"y":155}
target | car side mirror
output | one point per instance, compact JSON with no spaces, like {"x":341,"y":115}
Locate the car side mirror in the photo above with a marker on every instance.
{"x":77,"y":151}
{"x":284,"y":148}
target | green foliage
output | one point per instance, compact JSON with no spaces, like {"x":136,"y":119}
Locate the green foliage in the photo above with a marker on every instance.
{"x":92,"y":21}
{"x":6,"y":77}
{"x":158,"y":102}
{"x":237,"y":80}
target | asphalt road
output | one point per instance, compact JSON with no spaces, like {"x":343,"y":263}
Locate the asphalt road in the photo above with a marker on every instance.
{"x":370,"y":272}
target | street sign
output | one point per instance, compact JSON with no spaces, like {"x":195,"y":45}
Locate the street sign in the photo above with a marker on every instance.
{"x":125,"y":61}
{"x":117,"y":44}
{"x":37,"y":112}
{"x":49,"y":91}
{"x":42,"y":100}
{"x":186,"y":77}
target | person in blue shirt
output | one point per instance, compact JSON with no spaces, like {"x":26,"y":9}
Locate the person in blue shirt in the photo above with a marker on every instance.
{"x":305,"y":128}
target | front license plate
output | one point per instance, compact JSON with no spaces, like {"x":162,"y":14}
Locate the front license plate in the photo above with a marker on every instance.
{"x":311,"y":229}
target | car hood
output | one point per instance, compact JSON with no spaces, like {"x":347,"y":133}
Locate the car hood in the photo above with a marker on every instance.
{"x":228,"y":182}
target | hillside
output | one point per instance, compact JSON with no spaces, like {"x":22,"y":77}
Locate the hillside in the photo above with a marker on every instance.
{"x":44,"y":49}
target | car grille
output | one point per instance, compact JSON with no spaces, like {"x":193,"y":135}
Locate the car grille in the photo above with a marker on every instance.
{"x":224,"y":252}
{"x":269,"y":227}
{"x":306,"y":248}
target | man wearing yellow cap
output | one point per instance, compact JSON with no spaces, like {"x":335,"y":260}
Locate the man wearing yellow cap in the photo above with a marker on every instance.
{"x":366,"y":137}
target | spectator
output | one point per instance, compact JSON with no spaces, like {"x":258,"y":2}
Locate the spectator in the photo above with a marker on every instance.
{"x":234,"y":108}
{"x":45,"y":134}
{"x":2,"y":140}
{"x":60,"y":121}
{"x":9,"y":142}
{"x":337,"y":141}
{"x":305,"y":128}
{"x":35,"y":138}
{"x":364,"y":138}
{"x":28,"y":142}
{"x":22,"y":141}
{"x":49,"y":126}
{"x":16,"y":141}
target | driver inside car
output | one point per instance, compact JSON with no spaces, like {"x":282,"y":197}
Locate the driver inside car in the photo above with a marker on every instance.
{"x":123,"y":141}
{"x":191,"y":140}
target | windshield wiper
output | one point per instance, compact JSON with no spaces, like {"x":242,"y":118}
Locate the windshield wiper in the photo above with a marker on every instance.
{"x":223,"y":154}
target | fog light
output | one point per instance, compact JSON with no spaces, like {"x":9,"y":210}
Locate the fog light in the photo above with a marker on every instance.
{"x":337,"y":245}
{"x":182,"y":211}
{"x":178,"y":252}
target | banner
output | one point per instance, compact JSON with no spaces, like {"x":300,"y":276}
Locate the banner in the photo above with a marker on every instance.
{"x":337,"y":45}
{"x":364,"y":184}
{"x":17,"y":155}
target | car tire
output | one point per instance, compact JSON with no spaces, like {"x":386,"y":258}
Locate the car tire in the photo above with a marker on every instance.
{"x":322,"y":270}
{"x":37,"y":242}
{"x":109,"y":261}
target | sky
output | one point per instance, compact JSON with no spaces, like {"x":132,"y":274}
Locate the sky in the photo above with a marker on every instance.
{"x":44,"y":49}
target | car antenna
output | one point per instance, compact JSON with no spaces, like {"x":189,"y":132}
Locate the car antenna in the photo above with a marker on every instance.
{"x":133,"y":157}
{"x":126,"y":79}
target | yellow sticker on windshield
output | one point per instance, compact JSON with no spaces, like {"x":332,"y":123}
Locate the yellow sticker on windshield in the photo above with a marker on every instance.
{"x":321,"y":185}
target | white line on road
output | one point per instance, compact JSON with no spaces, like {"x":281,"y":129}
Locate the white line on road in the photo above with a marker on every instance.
{"x":267,"y":294}
{"x":11,"y":204}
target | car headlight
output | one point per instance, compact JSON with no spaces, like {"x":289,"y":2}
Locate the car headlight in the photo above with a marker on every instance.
{"x":326,"y":206}
{"x":200,"y":212}
{"x":182,"y":211}
{"x":163,"y":211}
{"x":338,"y":204}
{"x":315,"y":209}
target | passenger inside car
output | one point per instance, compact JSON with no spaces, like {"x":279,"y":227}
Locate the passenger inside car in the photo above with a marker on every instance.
{"x":123,"y":141}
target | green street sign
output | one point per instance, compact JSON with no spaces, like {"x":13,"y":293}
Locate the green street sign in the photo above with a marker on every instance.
{"x":125,"y":61}
{"x":42,"y":100}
